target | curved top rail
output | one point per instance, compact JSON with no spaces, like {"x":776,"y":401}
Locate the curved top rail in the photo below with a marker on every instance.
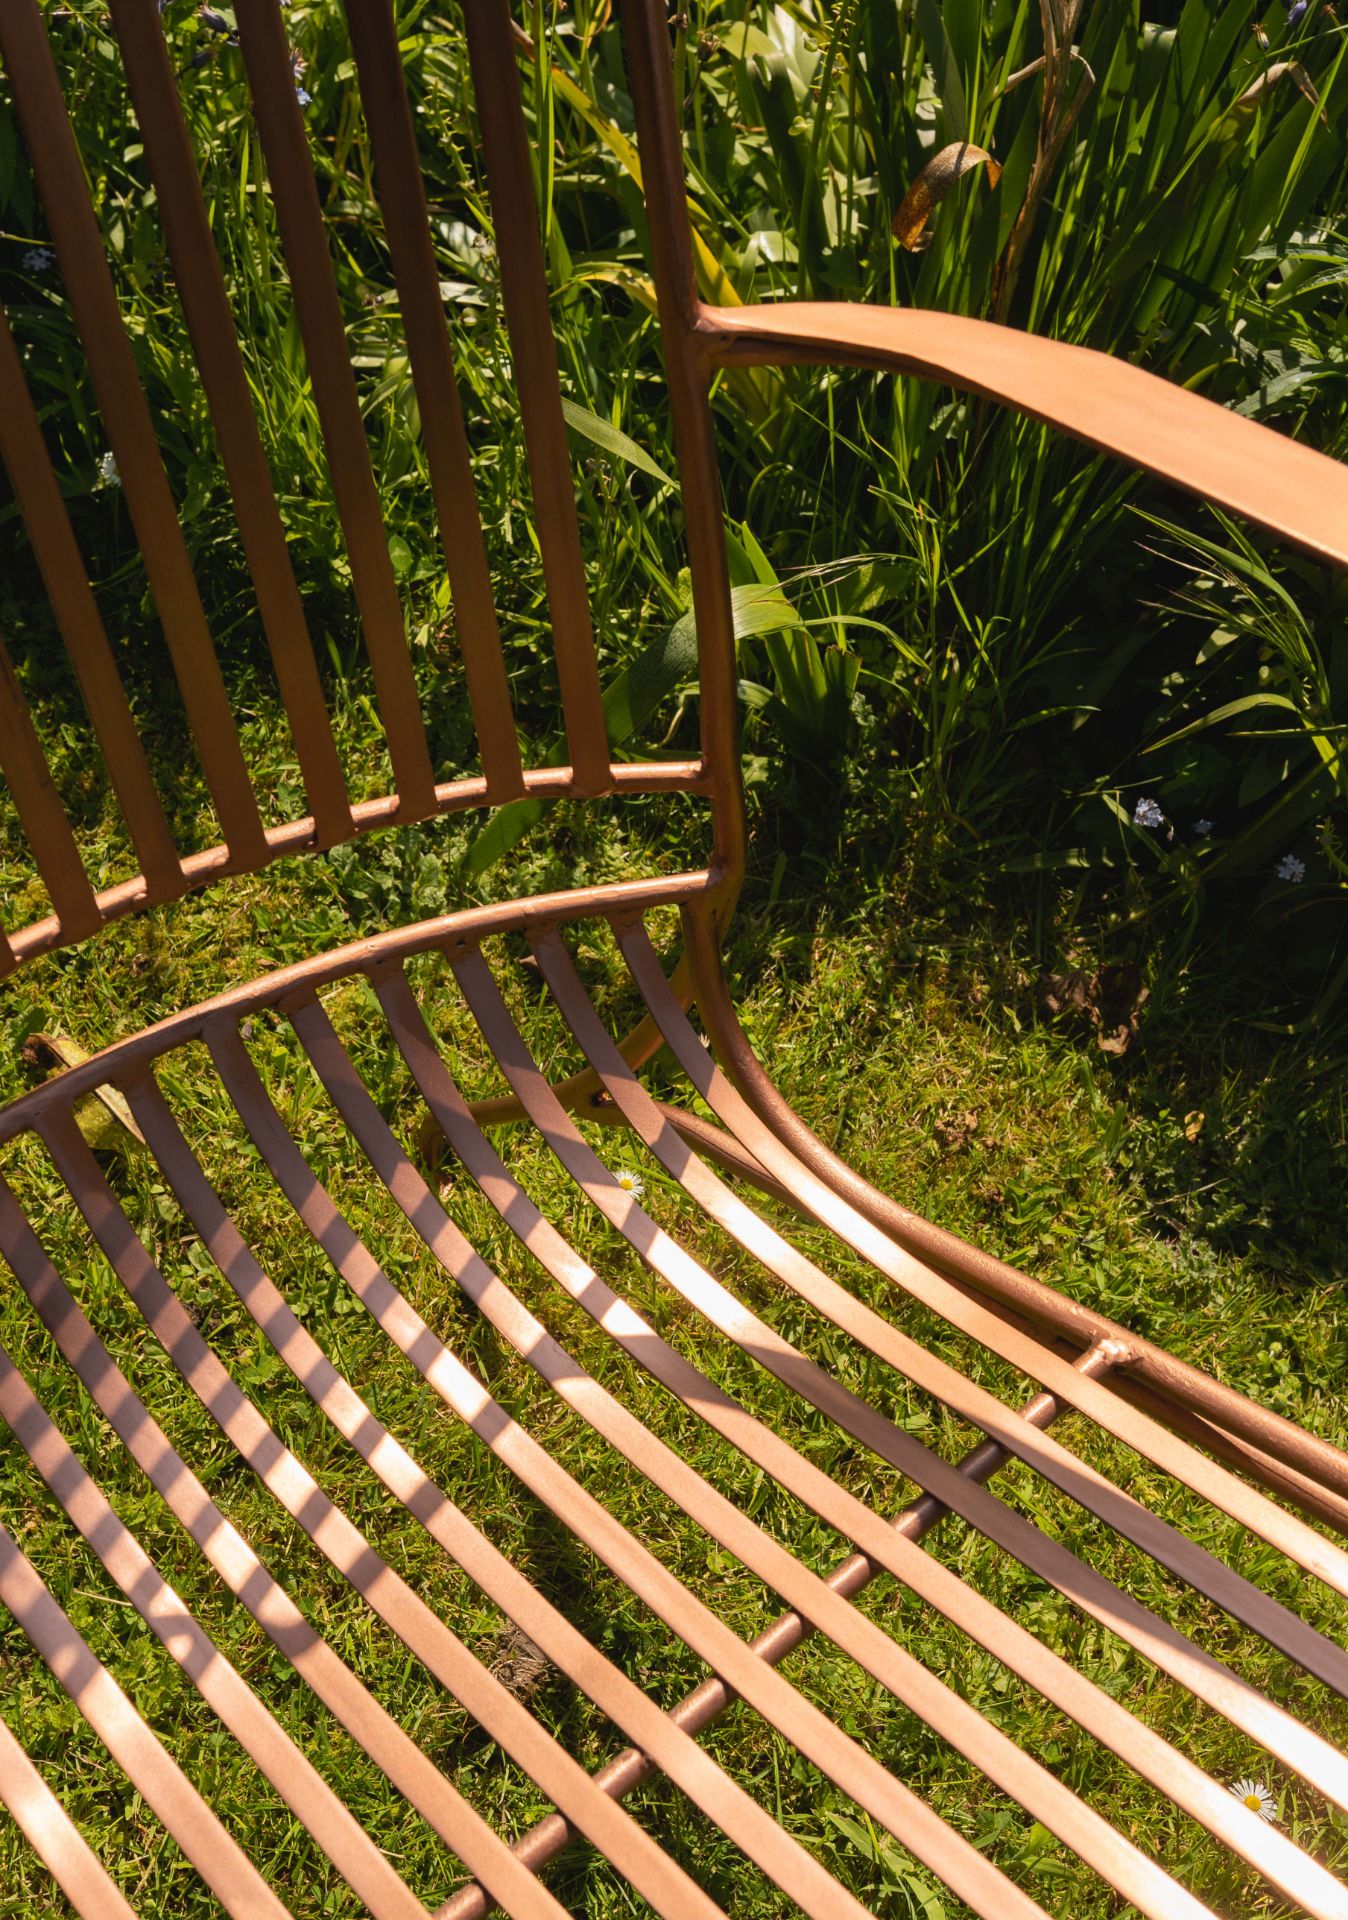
{"x":133,"y":1055}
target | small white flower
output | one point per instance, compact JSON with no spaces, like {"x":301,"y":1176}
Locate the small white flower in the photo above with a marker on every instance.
{"x":630,"y":1182}
{"x":1257,"y":1798}
{"x":1147,"y":814}
{"x":107,"y":470}
{"x":1202,"y":828}
{"x":38,"y":260}
{"x":1290,"y":868}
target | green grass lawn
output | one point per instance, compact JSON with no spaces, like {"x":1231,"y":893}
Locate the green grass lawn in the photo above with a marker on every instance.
{"x":904,"y":1024}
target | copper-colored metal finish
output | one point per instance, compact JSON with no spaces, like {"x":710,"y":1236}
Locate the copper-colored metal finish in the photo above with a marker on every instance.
{"x":1298,"y":1541}
{"x":661,"y":1736}
{"x":30,"y":474}
{"x":280,"y":123}
{"x":229,"y":1554}
{"x":284,"y":1476}
{"x":402,"y":198}
{"x":206,"y":305}
{"x":708,"y":1702}
{"x":759,"y":1102}
{"x":55,"y":1838}
{"x":299,"y":836}
{"x":954,"y":1489}
{"x":647,"y":48}
{"x":222,"y":1864}
{"x":982,"y":1273}
{"x":888,"y":1802}
{"x":40,"y":810}
{"x":713,"y":1406}
{"x":1095,"y":397}
{"x":1096,"y":1596}
{"x":505,"y":149}
{"x":1083,"y":1376}
{"x":712,"y":1142}
{"x":289,"y":1771}
{"x":79,"y":246}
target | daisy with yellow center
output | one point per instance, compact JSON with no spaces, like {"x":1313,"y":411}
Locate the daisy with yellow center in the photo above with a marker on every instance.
{"x":630,"y":1182}
{"x":1257,"y":1798}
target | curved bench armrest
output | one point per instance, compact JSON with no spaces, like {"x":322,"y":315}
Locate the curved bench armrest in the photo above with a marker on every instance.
{"x":1095,"y":397}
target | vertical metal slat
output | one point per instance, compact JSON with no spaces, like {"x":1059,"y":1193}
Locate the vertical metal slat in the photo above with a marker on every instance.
{"x":201,"y":286}
{"x":79,"y":246}
{"x":26,"y":460}
{"x":505,"y":149}
{"x":304,"y":239}
{"x":44,"y":819}
{"x":402,"y":198}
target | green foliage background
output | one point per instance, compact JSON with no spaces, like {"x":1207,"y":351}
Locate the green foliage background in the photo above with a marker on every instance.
{"x":981,"y":636}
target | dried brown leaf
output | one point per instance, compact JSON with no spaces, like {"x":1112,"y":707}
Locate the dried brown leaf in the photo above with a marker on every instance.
{"x":1110,"y":999}
{"x":103,"y":1117}
{"x":1259,"y":89}
{"x":519,"y":1664}
{"x":933,"y":184}
{"x":432,"y":1145}
{"x":954,"y":1131}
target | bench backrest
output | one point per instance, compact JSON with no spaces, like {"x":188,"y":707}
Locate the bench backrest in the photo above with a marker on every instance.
{"x":416,"y":756}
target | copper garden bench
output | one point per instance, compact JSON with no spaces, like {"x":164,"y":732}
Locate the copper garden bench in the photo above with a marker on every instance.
{"x":1285,"y":1489}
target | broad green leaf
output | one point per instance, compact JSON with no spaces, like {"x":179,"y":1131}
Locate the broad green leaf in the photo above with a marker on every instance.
{"x":877,"y":1846}
{"x":758,"y":560}
{"x":716,"y":280}
{"x":1227,"y":712}
{"x":639,"y":285}
{"x":668,"y":662}
{"x":756,"y":609}
{"x":1270,"y":392}
{"x":945,"y":68}
{"x":744,"y":41}
{"x":503,"y":831}
{"x":602,"y":433}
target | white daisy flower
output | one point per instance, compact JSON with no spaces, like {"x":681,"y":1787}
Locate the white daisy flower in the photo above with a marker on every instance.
{"x":1258,"y":1798}
{"x":1148,"y":814}
{"x":630,"y":1182}
{"x":107,"y":470}
{"x":1202,"y":828}
{"x":1290,"y":868}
